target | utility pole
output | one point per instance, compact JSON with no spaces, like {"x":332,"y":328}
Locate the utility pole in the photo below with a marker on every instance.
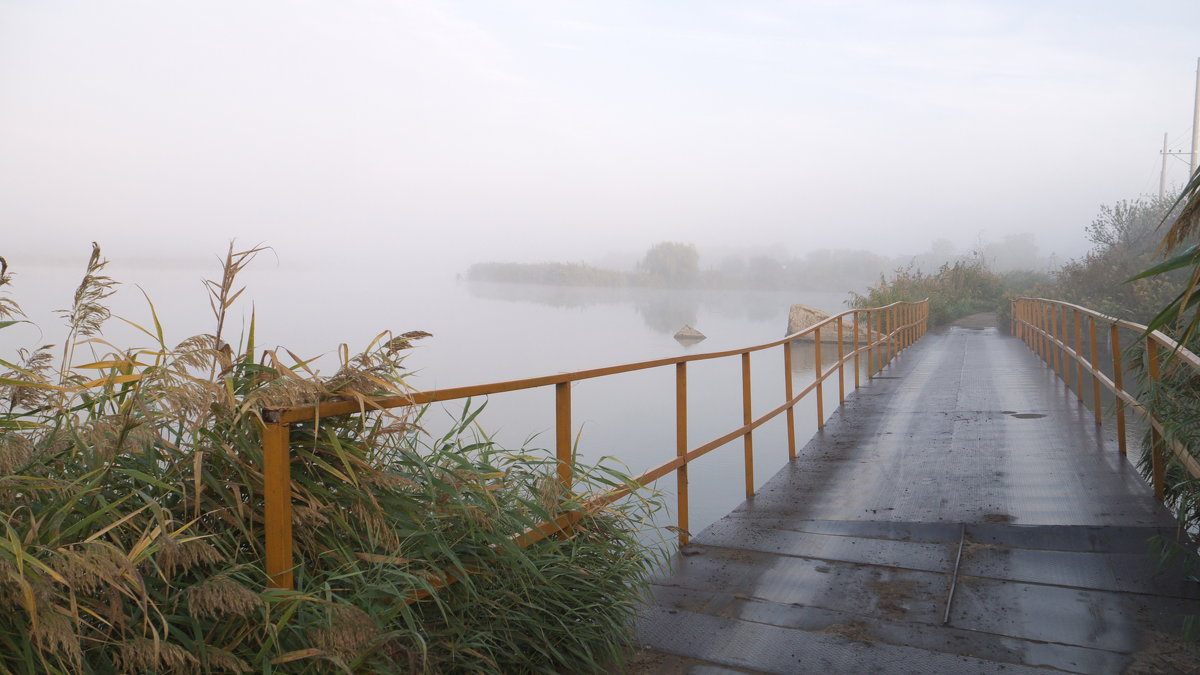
{"x":1195,"y":124}
{"x":1162,"y":177}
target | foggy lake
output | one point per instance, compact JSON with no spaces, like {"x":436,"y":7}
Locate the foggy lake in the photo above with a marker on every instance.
{"x":489,"y":332}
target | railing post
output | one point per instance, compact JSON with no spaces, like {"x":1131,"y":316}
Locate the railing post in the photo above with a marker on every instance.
{"x":787,"y":391}
{"x":1055,"y":339}
{"x":747,"y":417}
{"x":841,"y":365}
{"x":681,"y":474}
{"x":871,"y":336}
{"x":855,"y":342}
{"x":891,"y":318}
{"x":1042,"y":334}
{"x":1078,"y":358}
{"x":1118,"y":377}
{"x":1095,"y":362}
{"x":277,"y":504}
{"x":820,"y":380}
{"x":1156,"y":441}
{"x":562,"y":432}
{"x":1068,"y":366}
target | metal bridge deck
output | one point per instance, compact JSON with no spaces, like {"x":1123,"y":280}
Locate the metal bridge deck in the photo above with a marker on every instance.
{"x":844,"y":560}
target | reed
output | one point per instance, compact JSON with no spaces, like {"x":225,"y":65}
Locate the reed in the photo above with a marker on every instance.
{"x":131,"y":502}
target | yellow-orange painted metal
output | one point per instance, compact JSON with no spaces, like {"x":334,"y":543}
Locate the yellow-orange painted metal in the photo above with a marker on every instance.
{"x":1056,"y":336}
{"x":1030,"y":309}
{"x":681,"y":474}
{"x":872,"y":335}
{"x":747,"y":417}
{"x":787,"y":393}
{"x":277,"y":504}
{"x":562,"y":432}
{"x":880,"y":344}
{"x":854,"y":346}
{"x":1157,"y":468}
{"x":820,"y":379}
{"x":1078,"y":361}
{"x":1095,"y":363}
{"x":841,"y":365}
{"x":1118,"y":380}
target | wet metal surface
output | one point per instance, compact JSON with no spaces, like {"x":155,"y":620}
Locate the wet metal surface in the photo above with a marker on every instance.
{"x":843,"y":563}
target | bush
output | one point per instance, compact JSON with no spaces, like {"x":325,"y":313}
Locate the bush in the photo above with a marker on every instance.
{"x":131,"y":498}
{"x":955,"y":291}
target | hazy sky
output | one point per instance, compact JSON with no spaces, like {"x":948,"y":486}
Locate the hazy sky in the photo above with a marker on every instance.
{"x":437,"y":133}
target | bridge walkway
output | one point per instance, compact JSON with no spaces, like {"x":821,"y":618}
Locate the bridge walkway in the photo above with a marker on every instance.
{"x":846,"y":560}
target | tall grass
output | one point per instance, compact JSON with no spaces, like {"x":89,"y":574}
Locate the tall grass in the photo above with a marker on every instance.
{"x":954,"y":291}
{"x":131,"y":502}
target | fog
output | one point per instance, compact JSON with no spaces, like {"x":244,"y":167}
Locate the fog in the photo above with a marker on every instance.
{"x":368,"y":140}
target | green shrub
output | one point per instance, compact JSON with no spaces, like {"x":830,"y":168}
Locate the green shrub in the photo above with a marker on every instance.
{"x":955,"y":291}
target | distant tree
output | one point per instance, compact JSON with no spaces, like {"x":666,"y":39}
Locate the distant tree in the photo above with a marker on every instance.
{"x":671,"y":263}
{"x":1124,"y":243}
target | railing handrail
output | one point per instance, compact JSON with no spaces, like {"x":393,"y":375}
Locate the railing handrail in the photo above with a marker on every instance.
{"x":896,"y":326}
{"x":335,"y":407}
{"x":1037,"y":321}
{"x":1165,"y":340}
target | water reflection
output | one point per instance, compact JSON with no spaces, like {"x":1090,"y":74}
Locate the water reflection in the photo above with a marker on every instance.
{"x":663,"y":311}
{"x":804,"y":356}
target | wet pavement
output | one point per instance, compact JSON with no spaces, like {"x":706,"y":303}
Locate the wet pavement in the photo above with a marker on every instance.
{"x":968,"y":466}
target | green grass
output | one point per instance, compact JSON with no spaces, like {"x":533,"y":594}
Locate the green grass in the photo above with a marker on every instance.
{"x":131,"y":501}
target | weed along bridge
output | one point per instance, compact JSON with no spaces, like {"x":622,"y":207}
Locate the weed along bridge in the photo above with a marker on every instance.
{"x":962,"y":510}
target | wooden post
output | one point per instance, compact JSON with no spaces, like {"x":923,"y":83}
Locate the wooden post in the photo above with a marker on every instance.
{"x":681,"y":474}
{"x":747,"y":417}
{"x":562,"y":432}
{"x":1118,"y":378}
{"x":1156,"y":441}
{"x":277,"y":505}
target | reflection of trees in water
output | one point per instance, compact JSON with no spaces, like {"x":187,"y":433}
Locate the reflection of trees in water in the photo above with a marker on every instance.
{"x":667,"y":313}
{"x":663,"y":310}
{"x":571,"y":297}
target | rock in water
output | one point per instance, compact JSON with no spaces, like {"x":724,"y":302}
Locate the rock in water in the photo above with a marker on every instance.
{"x":689,"y":334}
{"x":801,"y":317}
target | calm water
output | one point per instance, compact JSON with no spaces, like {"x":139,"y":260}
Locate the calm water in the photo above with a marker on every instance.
{"x":493,"y":332}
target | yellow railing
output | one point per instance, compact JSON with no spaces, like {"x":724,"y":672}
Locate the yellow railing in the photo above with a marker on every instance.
{"x":876,"y":334}
{"x":1056,"y":331}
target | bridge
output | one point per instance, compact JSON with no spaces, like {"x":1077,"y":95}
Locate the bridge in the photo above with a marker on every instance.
{"x":965,"y":512}
{"x":962,"y":510}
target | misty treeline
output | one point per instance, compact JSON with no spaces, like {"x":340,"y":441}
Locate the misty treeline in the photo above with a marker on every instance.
{"x":681,"y":265}
{"x":1125,"y":239}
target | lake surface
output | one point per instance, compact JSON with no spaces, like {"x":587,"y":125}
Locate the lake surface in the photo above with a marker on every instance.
{"x":486,"y":332}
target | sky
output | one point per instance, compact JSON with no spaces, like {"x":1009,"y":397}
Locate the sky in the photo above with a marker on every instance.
{"x":417,"y":137}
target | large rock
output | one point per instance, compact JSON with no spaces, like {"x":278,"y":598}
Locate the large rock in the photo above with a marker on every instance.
{"x":803,"y":316}
{"x":689,"y":334}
